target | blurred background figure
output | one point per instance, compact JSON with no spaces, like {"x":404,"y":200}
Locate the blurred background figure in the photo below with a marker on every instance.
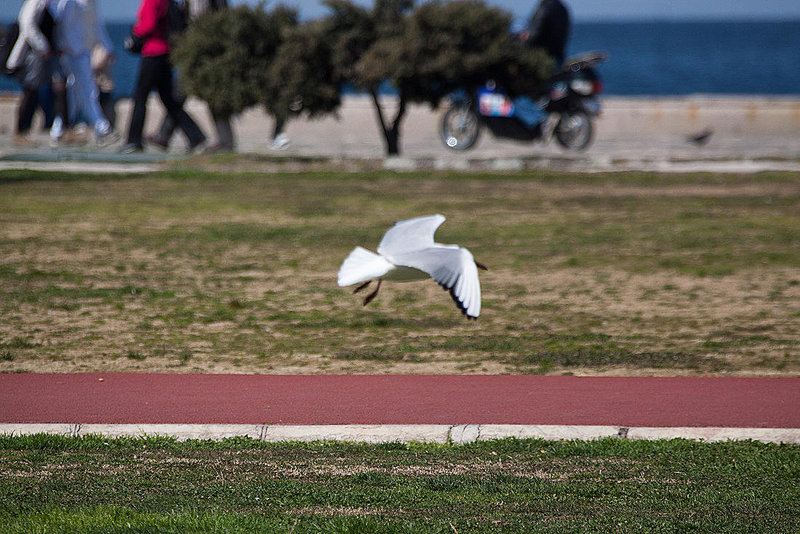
{"x":79,"y":29}
{"x":155,"y":72}
{"x":102,"y":61}
{"x":225,"y":139}
{"x":549,"y":28}
{"x":34,"y":63}
{"x":280,"y":141}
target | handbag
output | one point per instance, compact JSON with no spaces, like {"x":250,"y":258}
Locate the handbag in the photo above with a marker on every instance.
{"x":7,"y":44}
{"x":133,"y":43}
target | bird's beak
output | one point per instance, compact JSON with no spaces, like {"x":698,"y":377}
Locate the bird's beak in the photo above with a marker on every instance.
{"x":481,"y":266}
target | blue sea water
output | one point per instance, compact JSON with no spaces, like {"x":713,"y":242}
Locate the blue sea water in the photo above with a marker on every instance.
{"x":679,"y":58}
{"x":645,"y":58}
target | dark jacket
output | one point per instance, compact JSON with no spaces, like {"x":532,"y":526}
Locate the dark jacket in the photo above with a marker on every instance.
{"x":549,"y":28}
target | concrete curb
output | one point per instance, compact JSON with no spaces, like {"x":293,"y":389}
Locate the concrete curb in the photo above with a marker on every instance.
{"x":596,"y":164}
{"x":457,"y":434}
{"x":80,"y":167}
{"x":731,"y":165}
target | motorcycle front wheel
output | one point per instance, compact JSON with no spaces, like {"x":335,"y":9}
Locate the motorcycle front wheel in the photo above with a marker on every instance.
{"x":460,"y":127}
{"x":574,"y":130}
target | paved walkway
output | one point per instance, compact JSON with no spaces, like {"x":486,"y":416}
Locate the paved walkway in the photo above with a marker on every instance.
{"x":749,"y":134}
{"x":402,"y":407}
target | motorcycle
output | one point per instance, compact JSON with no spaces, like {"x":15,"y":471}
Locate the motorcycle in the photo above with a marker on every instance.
{"x":567,"y":110}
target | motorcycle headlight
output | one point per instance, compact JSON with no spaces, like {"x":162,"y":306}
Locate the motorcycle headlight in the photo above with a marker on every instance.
{"x":581,"y":86}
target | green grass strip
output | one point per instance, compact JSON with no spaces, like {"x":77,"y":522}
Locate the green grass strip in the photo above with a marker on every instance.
{"x":93,"y":484}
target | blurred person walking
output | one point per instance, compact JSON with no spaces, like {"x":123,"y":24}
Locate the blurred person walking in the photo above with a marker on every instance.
{"x":280,"y":141}
{"x":155,"y":72}
{"x":102,"y":60}
{"x":225,"y":139}
{"x":79,"y":29}
{"x":549,"y":28}
{"x":33,"y":60}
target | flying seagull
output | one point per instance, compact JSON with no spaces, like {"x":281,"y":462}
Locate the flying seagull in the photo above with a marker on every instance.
{"x":406,"y":253}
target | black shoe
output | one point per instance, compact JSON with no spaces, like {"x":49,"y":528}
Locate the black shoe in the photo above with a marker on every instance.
{"x":217,"y":148}
{"x":131,"y":148}
{"x":198,"y":146}
{"x":157,"y":141}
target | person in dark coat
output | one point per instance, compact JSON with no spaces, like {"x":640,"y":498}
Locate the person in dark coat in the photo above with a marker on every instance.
{"x":549,"y":28}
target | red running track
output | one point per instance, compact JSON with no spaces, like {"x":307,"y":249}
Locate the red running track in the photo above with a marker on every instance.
{"x":400,"y":399}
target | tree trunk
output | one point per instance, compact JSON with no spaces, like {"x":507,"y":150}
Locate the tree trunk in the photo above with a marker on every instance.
{"x":391,"y":133}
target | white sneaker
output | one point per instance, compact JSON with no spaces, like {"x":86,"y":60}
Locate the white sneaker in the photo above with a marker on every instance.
{"x":280,"y":143}
{"x":107,"y":139}
{"x":57,"y":129}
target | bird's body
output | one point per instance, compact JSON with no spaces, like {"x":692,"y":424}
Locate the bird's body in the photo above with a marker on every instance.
{"x":407,"y":252}
{"x":701,"y":138}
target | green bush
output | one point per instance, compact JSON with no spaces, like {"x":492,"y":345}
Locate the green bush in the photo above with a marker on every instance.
{"x":224,"y":56}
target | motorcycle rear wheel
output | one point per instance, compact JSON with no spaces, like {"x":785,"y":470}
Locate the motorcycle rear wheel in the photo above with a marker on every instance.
{"x":574,"y":130}
{"x":460,"y":128}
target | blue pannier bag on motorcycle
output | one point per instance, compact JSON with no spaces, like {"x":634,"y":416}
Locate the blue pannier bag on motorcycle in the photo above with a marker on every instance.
{"x":528,"y":111}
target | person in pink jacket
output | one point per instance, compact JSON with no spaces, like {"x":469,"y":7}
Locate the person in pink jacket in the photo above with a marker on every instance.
{"x":155,"y":72}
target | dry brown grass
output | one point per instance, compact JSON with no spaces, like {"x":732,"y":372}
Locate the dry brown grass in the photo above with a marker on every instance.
{"x":183,"y":272}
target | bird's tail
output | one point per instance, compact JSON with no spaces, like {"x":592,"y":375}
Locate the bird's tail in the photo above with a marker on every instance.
{"x":362,"y":265}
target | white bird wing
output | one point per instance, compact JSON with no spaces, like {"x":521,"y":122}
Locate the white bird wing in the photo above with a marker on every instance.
{"x":454,"y":269}
{"x":362,"y":265}
{"x":409,"y":235}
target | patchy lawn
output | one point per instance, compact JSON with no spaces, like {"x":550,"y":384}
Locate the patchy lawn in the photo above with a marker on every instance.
{"x":190,"y":271}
